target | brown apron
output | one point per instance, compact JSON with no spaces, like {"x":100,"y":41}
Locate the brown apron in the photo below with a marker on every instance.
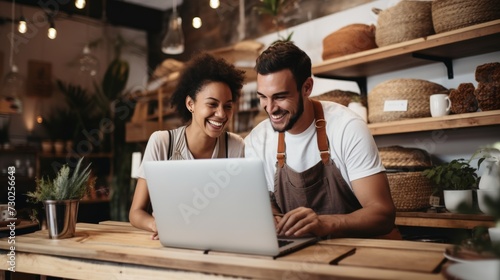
{"x":321,"y":187}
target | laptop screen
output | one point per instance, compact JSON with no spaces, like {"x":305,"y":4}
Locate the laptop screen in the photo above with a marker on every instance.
{"x":212,"y":204}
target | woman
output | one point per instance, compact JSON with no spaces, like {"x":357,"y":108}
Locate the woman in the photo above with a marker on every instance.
{"x":207,"y":91}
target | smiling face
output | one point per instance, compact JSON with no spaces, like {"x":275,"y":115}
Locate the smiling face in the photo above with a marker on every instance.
{"x":281,"y":100}
{"x":212,"y":109}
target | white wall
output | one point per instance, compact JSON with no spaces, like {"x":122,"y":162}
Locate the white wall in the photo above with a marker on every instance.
{"x":444,"y":144}
{"x":73,"y":33}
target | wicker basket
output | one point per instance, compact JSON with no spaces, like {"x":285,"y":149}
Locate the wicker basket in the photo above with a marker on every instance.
{"x":349,"y":39}
{"x":397,"y":157}
{"x":405,"y":21}
{"x":340,"y":96}
{"x":416,"y":92}
{"x":410,"y":191}
{"x":488,"y":96}
{"x":454,"y":14}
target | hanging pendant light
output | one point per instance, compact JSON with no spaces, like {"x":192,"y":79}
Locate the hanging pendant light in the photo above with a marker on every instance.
{"x":80,"y":4}
{"x":52,"y":32}
{"x":23,"y":25}
{"x":13,"y":83}
{"x":173,"y":43}
{"x":214,"y":4}
{"x":13,"y":89}
{"x":197,"y":22}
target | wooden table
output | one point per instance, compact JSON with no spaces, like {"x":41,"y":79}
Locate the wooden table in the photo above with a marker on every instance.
{"x":116,"y":250}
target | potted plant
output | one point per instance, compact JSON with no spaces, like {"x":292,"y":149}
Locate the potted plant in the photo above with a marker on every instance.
{"x":54,"y":128}
{"x":277,"y":9}
{"x":456,"y":179}
{"x":61,"y":196}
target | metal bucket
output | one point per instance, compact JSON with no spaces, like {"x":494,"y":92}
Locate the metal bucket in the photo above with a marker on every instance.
{"x":61,"y":217}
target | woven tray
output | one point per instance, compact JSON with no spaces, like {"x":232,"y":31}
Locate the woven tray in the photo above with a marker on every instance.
{"x":405,"y":21}
{"x":416,"y":92}
{"x":454,"y":14}
{"x":410,"y":191}
{"x":397,"y":157}
{"x":340,"y":96}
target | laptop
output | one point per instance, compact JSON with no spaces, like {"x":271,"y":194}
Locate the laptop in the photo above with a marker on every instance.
{"x":215,"y":205}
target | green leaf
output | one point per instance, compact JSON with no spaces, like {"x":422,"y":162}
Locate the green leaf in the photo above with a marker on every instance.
{"x":64,"y":186}
{"x":115,"y":79}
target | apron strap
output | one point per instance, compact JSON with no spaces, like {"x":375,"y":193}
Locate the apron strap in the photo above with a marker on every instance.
{"x":223,"y":145}
{"x":321,"y":131}
{"x":320,"y":124}
{"x":281,"y":150}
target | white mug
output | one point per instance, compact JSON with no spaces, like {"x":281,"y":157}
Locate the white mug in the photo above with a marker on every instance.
{"x":5,"y":215}
{"x":440,"y":104}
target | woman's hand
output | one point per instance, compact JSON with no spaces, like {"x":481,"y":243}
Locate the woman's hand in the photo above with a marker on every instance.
{"x":155,"y":236}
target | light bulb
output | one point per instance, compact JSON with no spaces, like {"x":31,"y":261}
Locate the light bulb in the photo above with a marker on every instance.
{"x":13,"y":89}
{"x":23,"y":26}
{"x":173,"y":43}
{"x":80,"y":4}
{"x":52,"y":33}
{"x":197,"y":22}
{"x":214,"y":4}
{"x":88,"y":63}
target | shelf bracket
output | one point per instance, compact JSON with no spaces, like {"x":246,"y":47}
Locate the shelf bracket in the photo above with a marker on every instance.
{"x":447,"y":62}
{"x":361,"y":81}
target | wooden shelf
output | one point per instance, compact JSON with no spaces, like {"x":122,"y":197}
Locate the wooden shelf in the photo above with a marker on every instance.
{"x":443,"y":220}
{"x":473,"y":40}
{"x":433,"y":123}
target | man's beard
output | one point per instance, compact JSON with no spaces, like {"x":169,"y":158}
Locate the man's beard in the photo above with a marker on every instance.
{"x":295,"y":117}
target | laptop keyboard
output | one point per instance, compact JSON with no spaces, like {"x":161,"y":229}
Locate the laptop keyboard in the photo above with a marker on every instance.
{"x":282,"y":243}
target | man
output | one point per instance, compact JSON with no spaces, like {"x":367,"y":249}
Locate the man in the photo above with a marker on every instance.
{"x":321,"y":162}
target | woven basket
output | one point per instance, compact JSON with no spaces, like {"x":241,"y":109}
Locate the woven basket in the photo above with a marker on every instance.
{"x":416,"y":92}
{"x":410,"y":191}
{"x":488,"y":72}
{"x":488,"y":96}
{"x":405,"y":21}
{"x":340,"y":96}
{"x":463,"y":99}
{"x":397,"y":157}
{"x":349,"y":39}
{"x":454,"y":14}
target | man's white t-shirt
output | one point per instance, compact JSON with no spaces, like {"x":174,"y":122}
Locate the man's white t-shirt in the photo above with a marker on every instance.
{"x":352,"y":146}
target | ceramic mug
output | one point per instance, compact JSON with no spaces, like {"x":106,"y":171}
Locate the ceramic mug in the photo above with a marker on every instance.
{"x":3,"y":211}
{"x":440,"y":104}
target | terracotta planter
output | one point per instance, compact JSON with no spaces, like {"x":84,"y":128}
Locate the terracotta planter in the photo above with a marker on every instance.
{"x":47,"y":146}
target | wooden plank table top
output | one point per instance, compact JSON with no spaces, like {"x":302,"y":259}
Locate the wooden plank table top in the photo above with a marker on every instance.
{"x":117,"y":250}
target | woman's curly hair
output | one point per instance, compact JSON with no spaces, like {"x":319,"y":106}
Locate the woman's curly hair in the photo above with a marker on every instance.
{"x":200,"y":70}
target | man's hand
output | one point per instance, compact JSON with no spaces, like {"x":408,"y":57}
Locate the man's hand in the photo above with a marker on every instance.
{"x":300,"y":222}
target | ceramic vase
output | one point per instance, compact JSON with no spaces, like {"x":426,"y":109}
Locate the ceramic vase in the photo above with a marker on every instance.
{"x":490,"y":178}
{"x":493,"y":194}
{"x":454,"y":198}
